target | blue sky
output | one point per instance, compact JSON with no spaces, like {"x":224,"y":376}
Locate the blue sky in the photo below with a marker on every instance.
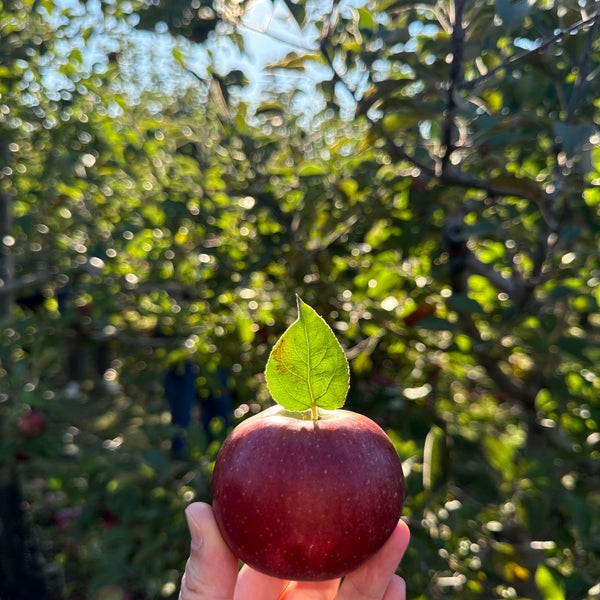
{"x":270,"y":33}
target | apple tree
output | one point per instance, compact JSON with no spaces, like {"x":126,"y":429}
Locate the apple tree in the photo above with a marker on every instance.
{"x":424,"y":175}
{"x":446,"y":204}
{"x":135,"y":204}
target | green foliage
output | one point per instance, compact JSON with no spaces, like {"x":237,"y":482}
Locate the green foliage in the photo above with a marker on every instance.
{"x":428,"y":182}
{"x":307,"y":368}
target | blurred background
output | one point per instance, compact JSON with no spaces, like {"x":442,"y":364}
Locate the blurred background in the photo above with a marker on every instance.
{"x":425,"y":175}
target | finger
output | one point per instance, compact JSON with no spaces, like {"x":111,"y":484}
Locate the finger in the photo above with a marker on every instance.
{"x":258,"y":586}
{"x":311,"y":590}
{"x":211,"y":570}
{"x":372,"y":579}
{"x":396,"y":589}
{"x":255,"y":585}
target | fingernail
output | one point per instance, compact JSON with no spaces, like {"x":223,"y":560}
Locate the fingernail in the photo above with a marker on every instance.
{"x":195,"y":529}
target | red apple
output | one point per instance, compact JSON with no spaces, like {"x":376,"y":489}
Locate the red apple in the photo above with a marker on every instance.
{"x":304,"y":499}
{"x":422,"y":311}
{"x":32,"y":424}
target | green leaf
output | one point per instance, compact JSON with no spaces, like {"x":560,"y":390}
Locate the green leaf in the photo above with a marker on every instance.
{"x":493,"y":99}
{"x":548,"y":585}
{"x":436,"y":324}
{"x":312,"y":169}
{"x":178,"y":56}
{"x":463,"y":304}
{"x":366,"y":21}
{"x":294,"y":61}
{"x":573,"y":137}
{"x":436,"y":459}
{"x":512,"y":13}
{"x":298,"y":10}
{"x":307,"y":368}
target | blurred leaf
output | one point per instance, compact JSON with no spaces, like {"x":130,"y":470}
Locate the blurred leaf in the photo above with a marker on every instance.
{"x":436,"y":324}
{"x":581,"y":516}
{"x":366,"y":21}
{"x":156,"y":459}
{"x":548,"y":585}
{"x":436,"y":459}
{"x":519,"y":186}
{"x":493,"y":99}
{"x":574,"y":347}
{"x":573,"y":137}
{"x":463,"y":304}
{"x":396,"y":121}
{"x":512,"y":13}
{"x":298,"y":10}
{"x":312,"y":169}
{"x":245,"y":328}
{"x":295,"y":61}
{"x":514,"y":572}
{"x":349,"y":187}
{"x":179,"y":56}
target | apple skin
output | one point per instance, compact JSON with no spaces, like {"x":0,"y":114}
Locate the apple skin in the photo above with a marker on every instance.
{"x":32,"y":424}
{"x":307,"y":500}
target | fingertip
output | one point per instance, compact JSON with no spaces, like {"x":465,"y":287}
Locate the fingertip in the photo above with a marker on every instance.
{"x":211,"y":570}
{"x":397,"y":543}
{"x":198,"y":510}
{"x":373,"y":578}
{"x":199,"y":517}
{"x":402,"y":532}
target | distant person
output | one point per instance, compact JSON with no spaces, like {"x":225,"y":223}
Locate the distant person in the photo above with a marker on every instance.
{"x":218,"y":404}
{"x":212,"y":573}
{"x":180,"y":389}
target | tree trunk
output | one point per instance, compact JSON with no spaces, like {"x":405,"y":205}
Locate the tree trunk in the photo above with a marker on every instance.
{"x":21,"y":570}
{"x":6,"y":257}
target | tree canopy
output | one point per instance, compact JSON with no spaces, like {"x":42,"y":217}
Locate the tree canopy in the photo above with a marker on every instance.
{"x":425,"y":175}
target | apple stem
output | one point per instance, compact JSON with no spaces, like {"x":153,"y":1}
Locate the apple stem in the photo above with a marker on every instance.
{"x":313,"y":412}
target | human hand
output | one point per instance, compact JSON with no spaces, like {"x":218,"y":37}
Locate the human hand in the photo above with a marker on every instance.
{"x":211,"y":572}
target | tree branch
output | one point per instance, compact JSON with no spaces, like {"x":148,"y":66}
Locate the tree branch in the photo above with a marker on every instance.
{"x":509,"y":285}
{"x":6,"y":219}
{"x":37,"y":280}
{"x":502,"y":185}
{"x":583,"y":70}
{"x":520,"y":391}
{"x":457,"y":47}
{"x":517,"y":58}
{"x":337,"y":77}
{"x":14,"y":286}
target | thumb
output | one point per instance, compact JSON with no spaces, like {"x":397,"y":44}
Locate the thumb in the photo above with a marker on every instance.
{"x":211,"y":570}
